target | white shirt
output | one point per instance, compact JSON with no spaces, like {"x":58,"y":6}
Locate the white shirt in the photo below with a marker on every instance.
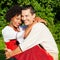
{"x":40,"y":34}
{"x":8,"y":34}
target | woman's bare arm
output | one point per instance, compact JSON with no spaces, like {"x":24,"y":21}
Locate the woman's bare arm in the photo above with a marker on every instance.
{"x":38,"y":19}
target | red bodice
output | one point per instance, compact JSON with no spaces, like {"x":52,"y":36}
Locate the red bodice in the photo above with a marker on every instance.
{"x":11,"y":44}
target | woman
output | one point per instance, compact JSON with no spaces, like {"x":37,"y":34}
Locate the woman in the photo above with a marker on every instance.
{"x":10,"y":32}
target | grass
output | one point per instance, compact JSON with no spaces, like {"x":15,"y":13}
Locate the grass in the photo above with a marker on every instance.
{"x":2,"y":56}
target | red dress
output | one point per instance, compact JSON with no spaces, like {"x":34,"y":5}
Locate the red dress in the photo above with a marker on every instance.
{"x":34,"y":53}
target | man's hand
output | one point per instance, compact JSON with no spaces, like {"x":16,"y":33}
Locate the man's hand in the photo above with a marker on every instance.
{"x":6,"y":49}
{"x":8,"y":54}
{"x":13,"y":53}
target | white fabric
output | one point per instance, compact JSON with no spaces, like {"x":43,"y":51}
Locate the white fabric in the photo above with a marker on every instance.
{"x":20,"y":36}
{"x":8,"y":34}
{"x":40,"y":34}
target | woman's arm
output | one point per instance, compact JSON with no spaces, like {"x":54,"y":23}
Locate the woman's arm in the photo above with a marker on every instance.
{"x":38,"y":19}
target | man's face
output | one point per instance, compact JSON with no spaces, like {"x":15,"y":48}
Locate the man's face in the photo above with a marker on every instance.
{"x":27,"y":17}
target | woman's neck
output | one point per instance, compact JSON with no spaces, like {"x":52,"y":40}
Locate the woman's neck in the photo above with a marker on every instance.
{"x":14,"y":28}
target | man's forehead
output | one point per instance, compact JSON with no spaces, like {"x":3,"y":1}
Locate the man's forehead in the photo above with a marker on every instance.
{"x":27,"y":11}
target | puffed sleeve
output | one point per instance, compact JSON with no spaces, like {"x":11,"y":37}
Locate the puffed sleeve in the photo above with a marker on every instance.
{"x":8,"y":34}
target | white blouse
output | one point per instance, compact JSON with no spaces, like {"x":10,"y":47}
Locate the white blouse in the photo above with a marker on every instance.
{"x":8,"y":34}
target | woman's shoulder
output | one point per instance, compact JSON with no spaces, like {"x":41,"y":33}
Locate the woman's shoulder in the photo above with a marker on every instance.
{"x":6,"y":29}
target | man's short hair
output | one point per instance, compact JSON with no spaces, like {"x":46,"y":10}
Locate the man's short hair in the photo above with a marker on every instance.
{"x":25,"y":7}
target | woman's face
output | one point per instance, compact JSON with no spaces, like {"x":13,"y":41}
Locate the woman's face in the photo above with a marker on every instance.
{"x":16,"y":21}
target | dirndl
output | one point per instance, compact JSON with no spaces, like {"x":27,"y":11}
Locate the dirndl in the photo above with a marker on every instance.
{"x":34,"y":53}
{"x":12,"y":44}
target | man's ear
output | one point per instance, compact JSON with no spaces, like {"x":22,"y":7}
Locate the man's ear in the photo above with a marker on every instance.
{"x":34,"y":15}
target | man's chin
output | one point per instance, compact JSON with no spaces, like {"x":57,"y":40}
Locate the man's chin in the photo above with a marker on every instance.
{"x":26,"y":23}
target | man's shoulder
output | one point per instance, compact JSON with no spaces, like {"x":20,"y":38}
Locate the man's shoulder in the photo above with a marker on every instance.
{"x":38,"y":24}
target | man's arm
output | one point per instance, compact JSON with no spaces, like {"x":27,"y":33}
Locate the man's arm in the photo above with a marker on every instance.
{"x":13,"y":53}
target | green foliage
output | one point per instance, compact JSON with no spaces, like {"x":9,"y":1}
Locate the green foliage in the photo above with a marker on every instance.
{"x":58,"y":44}
{"x":56,"y":31}
{"x":46,"y":9}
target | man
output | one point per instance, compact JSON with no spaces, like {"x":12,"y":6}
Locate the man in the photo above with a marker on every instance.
{"x":39,"y":34}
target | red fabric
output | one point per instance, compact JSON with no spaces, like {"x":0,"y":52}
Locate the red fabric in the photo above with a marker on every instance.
{"x":35,"y":53}
{"x":11,"y":44}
